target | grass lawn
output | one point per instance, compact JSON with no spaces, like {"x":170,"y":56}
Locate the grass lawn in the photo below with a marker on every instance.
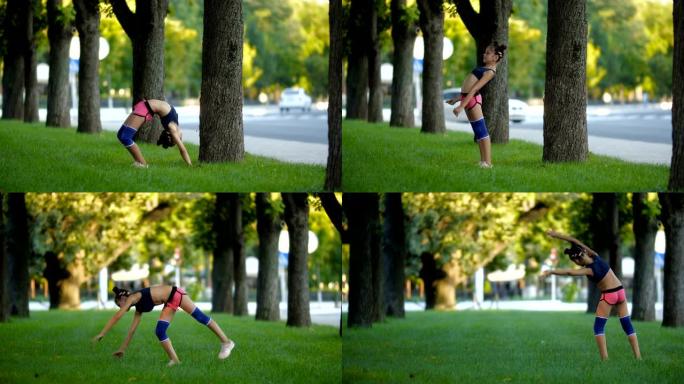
{"x":507,"y":346}
{"x":55,"y":347}
{"x":39,"y":159}
{"x":378,"y":158}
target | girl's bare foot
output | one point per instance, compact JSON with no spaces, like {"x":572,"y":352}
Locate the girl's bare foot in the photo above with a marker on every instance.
{"x":172,"y":363}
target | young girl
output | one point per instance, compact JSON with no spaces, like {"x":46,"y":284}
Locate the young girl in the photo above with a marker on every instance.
{"x":612,"y":292}
{"x":143,"y":111}
{"x":471,"y":100}
{"x":172,"y":298}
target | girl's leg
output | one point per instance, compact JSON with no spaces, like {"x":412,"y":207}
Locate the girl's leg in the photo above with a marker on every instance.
{"x":602,"y":312}
{"x":134,"y":150}
{"x":623,"y":312}
{"x":226,"y":344}
{"x":475,"y":114}
{"x":162,"y":326}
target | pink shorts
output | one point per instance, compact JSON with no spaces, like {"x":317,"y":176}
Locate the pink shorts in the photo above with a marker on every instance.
{"x":475,"y":100}
{"x":175,"y":301}
{"x":140,"y":109}
{"x":613,"y":298}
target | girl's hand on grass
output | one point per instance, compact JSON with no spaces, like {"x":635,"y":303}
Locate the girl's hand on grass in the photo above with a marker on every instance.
{"x":118,"y":353}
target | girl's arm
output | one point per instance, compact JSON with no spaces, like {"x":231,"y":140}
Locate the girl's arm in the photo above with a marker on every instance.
{"x":181,"y":148}
{"x":571,"y":239}
{"x":131,"y":332}
{"x":115,"y":319}
{"x":569,"y":272}
{"x":486,"y":77}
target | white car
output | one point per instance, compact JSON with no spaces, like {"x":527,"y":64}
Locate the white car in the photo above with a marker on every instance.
{"x":517,"y":109}
{"x":294,"y":98}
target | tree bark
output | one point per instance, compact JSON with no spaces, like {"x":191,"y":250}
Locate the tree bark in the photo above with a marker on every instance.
{"x":360,"y":226}
{"x":54,"y":273}
{"x":486,"y":27}
{"x":404,"y":32}
{"x":4,"y":273}
{"x":374,"y":61}
{"x":13,"y":61}
{"x":430,"y":274}
{"x":645,"y":228}
{"x":221,"y":130}
{"x":297,"y":220}
{"x":357,"y":63}
{"x":677,"y":171}
{"x":88,"y":26}
{"x":673,"y":220}
{"x":18,"y":246}
{"x":376,"y":258}
{"x":59,"y":35}
{"x":394,"y":255}
{"x":335,"y":213}
{"x":222,"y":274}
{"x":333,"y":173}
{"x":603,"y":226}
{"x":237,"y":234}
{"x":565,"y":100}
{"x":30,"y":66}
{"x":69,"y":287}
{"x":268,"y":229}
{"x":432,"y":25}
{"x":145,"y":28}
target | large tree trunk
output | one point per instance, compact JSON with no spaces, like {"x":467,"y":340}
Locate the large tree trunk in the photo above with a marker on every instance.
{"x":376,"y":258}
{"x":645,"y":227}
{"x":487,"y":27}
{"x":268,"y":229}
{"x":603,"y":226}
{"x":333,"y":172}
{"x":145,"y":28}
{"x":18,"y":251}
{"x":54,"y":273}
{"x":432,"y":25}
{"x":677,"y":170}
{"x":237,"y":234}
{"x":221,"y":131}
{"x":404,"y":32}
{"x":30,"y":66}
{"x":357,"y":63}
{"x":59,"y":34}
{"x":565,"y":100}
{"x":13,"y":61}
{"x":4,"y":273}
{"x":430,"y":274}
{"x":69,"y":287}
{"x":297,"y":220}
{"x":673,"y":220}
{"x":361,"y":223}
{"x":374,"y":61}
{"x":88,"y":25}
{"x":222,"y":274}
{"x":394,"y":255}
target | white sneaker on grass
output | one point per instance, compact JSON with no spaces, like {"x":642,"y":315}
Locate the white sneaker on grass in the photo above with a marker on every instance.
{"x":225,"y":349}
{"x":139,"y":165}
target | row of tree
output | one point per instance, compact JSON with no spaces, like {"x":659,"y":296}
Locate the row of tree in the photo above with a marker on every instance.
{"x":69,"y":238}
{"x":443,"y":239}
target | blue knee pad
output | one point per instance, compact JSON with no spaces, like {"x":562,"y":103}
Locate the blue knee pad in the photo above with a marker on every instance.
{"x":162,"y":326}
{"x":126,"y":135}
{"x":200,"y":316}
{"x":627,"y":326}
{"x":599,"y":326}
{"x":479,"y":129}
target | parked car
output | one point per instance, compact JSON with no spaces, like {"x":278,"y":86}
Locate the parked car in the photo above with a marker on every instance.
{"x":517,"y":109}
{"x":292,"y":98}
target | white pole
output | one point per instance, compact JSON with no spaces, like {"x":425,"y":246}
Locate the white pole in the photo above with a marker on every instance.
{"x":553,"y":287}
{"x":479,"y":286}
{"x":283,"y":284}
{"x":102,"y":294}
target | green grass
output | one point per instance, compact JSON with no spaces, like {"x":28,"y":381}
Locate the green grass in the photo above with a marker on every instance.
{"x":36,"y":158}
{"x":378,"y":158}
{"x":55,"y":347}
{"x":507,"y":346}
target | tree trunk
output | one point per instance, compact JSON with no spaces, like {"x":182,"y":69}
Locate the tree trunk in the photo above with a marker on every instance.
{"x":404,"y":32}
{"x":268,"y":229}
{"x":357,"y":63}
{"x":222,"y":274}
{"x":59,"y":34}
{"x":30,"y":67}
{"x":333,"y":173}
{"x":297,"y":220}
{"x":430,"y":274}
{"x":360,"y":226}
{"x":13,"y":61}
{"x":645,"y":227}
{"x":432,"y":25}
{"x":221,"y":131}
{"x":88,"y":25}
{"x":18,"y":246}
{"x":54,"y":273}
{"x":376,"y":258}
{"x":374,"y":61}
{"x":4,"y":273}
{"x":677,"y":171}
{"x":673,"y":220}
{"x":603,"y":226}
{"x":237,"y":234}
{"x":69,"y":288}
{"x":394,"y":255}
{"x":145,"y":28}
{"x":565,"y":100}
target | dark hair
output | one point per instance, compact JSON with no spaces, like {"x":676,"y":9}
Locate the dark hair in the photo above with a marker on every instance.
{"x":119,"y":293}
{"x":574,"y":251}
{"x":499,"y":49}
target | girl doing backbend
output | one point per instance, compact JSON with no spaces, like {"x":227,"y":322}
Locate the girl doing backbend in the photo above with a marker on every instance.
{"x":173,"y":298}
{"x":612,"y":292}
